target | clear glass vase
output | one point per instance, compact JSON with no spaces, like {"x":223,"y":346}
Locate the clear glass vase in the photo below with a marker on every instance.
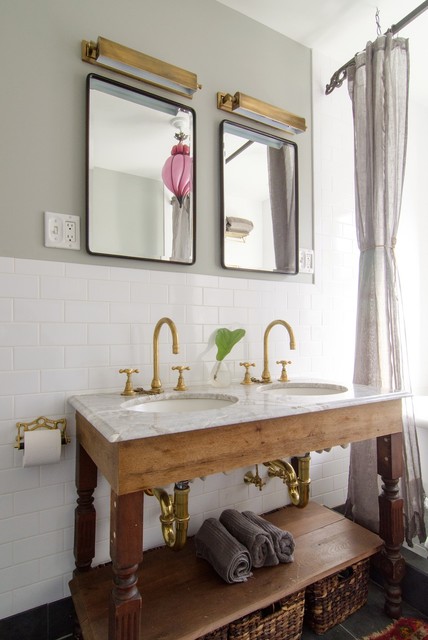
{"x":220,"y":375}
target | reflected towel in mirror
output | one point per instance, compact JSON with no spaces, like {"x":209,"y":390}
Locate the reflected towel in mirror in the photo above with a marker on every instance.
{"x":238,"y":226}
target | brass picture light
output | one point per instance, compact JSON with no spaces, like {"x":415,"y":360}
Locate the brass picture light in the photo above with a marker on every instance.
{"x":129,"y":62}
{"x":261,"y":112}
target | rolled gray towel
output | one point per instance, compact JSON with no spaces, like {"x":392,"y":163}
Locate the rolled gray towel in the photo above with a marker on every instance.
{"x":226,"y":555}
{"x":254,"y":537}
{"x":283,"y":541}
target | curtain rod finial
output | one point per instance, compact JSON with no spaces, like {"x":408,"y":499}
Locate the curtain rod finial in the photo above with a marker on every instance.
{"x":337,"y":79}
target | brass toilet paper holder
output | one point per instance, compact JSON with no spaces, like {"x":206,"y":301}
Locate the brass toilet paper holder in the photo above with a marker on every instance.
{"x":41,"y":423}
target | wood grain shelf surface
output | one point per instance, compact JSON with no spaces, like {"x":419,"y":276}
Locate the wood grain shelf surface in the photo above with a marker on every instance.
{"x":183,"y":598}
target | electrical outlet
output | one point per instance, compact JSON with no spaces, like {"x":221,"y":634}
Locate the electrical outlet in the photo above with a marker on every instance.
{"x":62,"y":231}
{"x":70,"y":231}
{"x":306,"y":261}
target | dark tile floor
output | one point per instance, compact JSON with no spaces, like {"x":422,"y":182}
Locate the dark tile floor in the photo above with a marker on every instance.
{"x":54,"y":621}
{"x":368,"y":619}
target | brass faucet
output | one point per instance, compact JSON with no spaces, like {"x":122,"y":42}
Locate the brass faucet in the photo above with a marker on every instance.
{"x":156,"y":383}
{"x":266,"y":374}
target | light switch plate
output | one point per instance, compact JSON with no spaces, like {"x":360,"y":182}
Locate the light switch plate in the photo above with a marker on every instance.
{"x":62,"y":231}
{"x":306,"y":261}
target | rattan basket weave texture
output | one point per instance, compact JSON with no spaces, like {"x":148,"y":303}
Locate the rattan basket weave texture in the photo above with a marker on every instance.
{"x":283,"y":620}
{"x":218,"y":634}
{"x":331,"y":600}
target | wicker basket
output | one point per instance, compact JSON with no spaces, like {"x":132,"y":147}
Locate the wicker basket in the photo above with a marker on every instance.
{"x":333,"y":599}
{"x":283,"y":620}
{"x":218,"y":634}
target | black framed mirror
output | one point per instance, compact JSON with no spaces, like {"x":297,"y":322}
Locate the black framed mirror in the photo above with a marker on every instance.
{"x":140,"y":174}
{"x":259,"y":188}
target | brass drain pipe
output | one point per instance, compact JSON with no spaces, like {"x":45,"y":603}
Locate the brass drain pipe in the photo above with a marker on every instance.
{"x":174,"y":516}
{"x":297,"y":483}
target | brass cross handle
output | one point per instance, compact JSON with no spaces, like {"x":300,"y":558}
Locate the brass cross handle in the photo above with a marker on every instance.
{"x":180,"y":382}
{"x":284,"y":376}
{"x":255,"y":479}
{"x":247,"y":377}
{"x":128,"y":390}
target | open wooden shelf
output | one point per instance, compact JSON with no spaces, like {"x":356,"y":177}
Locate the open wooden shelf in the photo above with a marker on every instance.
{"x":183,"y":597}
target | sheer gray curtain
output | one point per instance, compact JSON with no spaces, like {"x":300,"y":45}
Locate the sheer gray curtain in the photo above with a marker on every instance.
{"x":182,"y":237}
{"x":282,"y":193}
{"x":378,"y":86}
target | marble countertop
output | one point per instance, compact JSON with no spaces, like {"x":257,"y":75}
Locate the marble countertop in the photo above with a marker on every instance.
{"x":117,"y":419}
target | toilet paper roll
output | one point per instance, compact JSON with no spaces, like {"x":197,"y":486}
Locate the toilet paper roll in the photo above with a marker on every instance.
{"x":41,"y":446}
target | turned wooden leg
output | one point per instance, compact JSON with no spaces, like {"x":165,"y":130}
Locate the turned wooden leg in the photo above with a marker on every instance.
{"x":84,"y":515}
{"x":126,"y":551}
{"x":391,"y":525}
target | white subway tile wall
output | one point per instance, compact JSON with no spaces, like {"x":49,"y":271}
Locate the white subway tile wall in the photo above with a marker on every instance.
{"x":68,"y":328}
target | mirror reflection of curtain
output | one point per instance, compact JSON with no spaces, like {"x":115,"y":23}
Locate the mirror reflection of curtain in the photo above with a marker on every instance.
{"x":181,"y":230}
{"x":282,"y":192}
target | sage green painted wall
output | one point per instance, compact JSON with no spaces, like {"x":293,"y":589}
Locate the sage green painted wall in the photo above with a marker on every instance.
{"x":42,"y":113}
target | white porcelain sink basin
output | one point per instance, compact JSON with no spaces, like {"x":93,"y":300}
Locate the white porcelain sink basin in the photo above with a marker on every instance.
{"x":180,"y":404}
{"x":305,"y":389}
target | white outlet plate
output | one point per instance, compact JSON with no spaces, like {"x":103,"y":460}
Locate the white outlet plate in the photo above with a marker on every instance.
{"x":306,"y":261}
{"x":62,"y":231}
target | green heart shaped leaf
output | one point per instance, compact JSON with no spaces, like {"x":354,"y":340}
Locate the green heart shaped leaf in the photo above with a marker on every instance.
{"x":225,"y":340}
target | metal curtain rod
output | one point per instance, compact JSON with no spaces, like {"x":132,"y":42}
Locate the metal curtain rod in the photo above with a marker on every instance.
{"x":340,"y":75}
{"x":238,"y":151}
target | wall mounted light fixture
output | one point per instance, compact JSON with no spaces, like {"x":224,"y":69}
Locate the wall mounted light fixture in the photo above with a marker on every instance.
{"x":260,"y":111}
{"x":129,"y":62}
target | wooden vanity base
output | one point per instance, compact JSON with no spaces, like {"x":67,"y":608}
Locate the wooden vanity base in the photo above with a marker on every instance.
{"x":126,"y":524}
{"x":391,"y":525}
{"x":84,"y":514}
{"x":183,"y":597}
